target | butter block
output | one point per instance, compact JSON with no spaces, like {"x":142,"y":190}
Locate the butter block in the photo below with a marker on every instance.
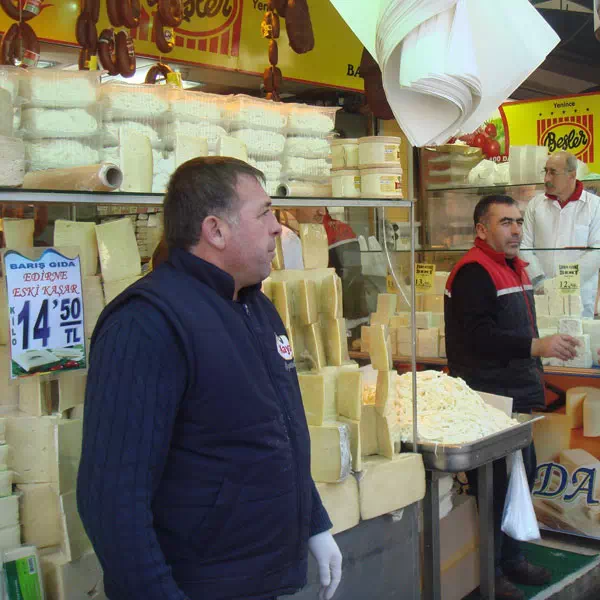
{"x":40,"y":514}
{"x":331,"y":457}
{"x":390,"y":484}
{"x":308,"y":307}
{"x":570,"y":326}
{"x":380,"y":348}
{"x":82,"y":235}
{"x":355,"y":442}
{"x":318,"y":397}
{"x":368,"y":430}
{"x":34,"y":397}
{"x":404,"y":341}
{"x":349,"y":393}
{"x":315,"y":248}
{"x":341,"y":502}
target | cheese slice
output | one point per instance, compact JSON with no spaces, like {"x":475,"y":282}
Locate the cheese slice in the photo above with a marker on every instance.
{"x":364,"y":338}
{"x":368,"y":430}
{"x":330,"y":455}
{"x":341,"y":502}
{"x":82,"y":235}
{"x":385,"y":392}
{"x":308,"y":307}
{"x":355,"y":442}
{"x":336,"y":341}
{"x":574,"y":405}
{"x":315,"y":248}
{"x":18,"y":233}
{"x":136,"y":161}
{"x":591,"y":413}
{"x":318,"y":397}
{"x":331,"y":297}
{"x":278,"y":263}
{"x":297,"y":340}
{"x":380,"y":348}
{"x":386,"y":305}
{"x":385,"y":434}
{"x":93,"y":302}
{"x":113,"y":288}
{"x":230,"y":146}
{"x":40,"y":514}
{"x":349,"y":393}
{"x":188,"y":147}
{"x":390,"y":484}
{"x":119,"y":254}
{"x":283,"y":301}
{"x":315,"y":349}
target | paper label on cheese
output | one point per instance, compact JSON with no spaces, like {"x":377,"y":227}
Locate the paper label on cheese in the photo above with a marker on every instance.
{"x":389,"y":183}
{"x":391,"y":153}
{"x":568,"y":281}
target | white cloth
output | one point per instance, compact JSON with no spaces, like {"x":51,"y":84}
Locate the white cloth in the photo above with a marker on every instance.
{"x":547,"y":225}
{"x":329,"y":561}
{"x":292,"y":249}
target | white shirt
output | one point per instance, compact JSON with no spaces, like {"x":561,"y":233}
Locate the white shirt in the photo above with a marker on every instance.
{"x":292,"y":249}
{"x":547,"y":225}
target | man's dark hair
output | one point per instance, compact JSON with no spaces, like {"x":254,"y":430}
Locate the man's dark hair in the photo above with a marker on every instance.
{"x":483,"y":206}
{"x":199,"y":188}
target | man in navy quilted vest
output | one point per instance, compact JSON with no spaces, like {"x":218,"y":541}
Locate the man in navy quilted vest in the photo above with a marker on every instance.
{"x":492,"y":343}
{"x":195,"y":481}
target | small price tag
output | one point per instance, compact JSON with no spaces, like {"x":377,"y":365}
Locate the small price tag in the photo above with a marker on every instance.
{"x":45,"y":311}
{"x":424,"y":277}
{"x":568,"y":281}
{"x":175,"y":79}
{"x":33,"y":6}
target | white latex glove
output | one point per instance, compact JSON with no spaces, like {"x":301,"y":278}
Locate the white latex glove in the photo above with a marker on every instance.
{"x":329,"y":560}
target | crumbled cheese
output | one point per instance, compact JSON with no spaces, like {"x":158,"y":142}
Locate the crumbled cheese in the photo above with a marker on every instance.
{"x":52,"y":123}
{"x":308,"y":147}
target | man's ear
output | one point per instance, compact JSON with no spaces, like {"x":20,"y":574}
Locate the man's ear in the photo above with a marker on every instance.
{"x":481,"y":231}
{"x":214,"y":232}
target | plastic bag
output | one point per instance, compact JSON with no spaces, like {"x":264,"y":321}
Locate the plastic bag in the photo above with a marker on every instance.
{"x":519,"y":520}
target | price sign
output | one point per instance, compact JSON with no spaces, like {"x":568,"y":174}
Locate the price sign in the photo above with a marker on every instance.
{"x":568,"y":281}
{"x":45,"y":310}
{"x":424,"y":277}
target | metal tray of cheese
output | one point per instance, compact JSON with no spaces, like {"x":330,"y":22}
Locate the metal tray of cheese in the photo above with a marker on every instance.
{"x":453,"y":458}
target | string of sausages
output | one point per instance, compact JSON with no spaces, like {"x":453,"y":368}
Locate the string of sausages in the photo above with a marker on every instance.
{"x":270,"y":29}
{"x":86,"y":33}
{"x":169,"y":14}
{"x":19,"y":44}
{"x":116,"y":50}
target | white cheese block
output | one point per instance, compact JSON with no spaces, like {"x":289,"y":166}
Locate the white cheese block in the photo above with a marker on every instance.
{"x":541,"y":305}
{"x":556,"y":305}
{"x":93,"y":302}
{"x":386,"y":305}
{"x":136,"y":161}
{"x":549,"y":286}
{"x":355,"y":442}
{"x":336,"y":341}
{"x":117,"y":246}
{"x":315,"y":248}
{"x":574,"y":405}
{"x":113,"y":288}
{"x":368,"y":430}
{"x":433,"y":303}
{"x":3,"y":457}
{"x":548,"y":323}
{"x":575,"y":305}
{"x":591,"y":413}
{"x":385,"y":434}
{"x":428,"y":342}
{"x":9,"y":511}
{"x":385,"y":392}
{"x":570,"y":326}
{"x":77,"y":580}
{"x":331,"y":457}
{"x":278,"y":263}
{"x":423,"y":320}
{"x":75,"y":541}
{"x":283,"y":301}
{"x":18,"y":233}
{"x":233,"y":147}
{"x":308,"y":306}
{"x":34,"y":398}
{"x":341,"y":502}
{"x":438,"y":320}
{"x":379,"y":348}
{"x":552,"y":434}
{"x":71,"y":390}
{"x":440,"y":282}
{"x":318,"y":397}
{"x":82,"y":235}
{"x":380,"y":319}
{"x":40,"y":514}
{"x":592,"y":328}
{"x":402,"y":319}
{"x":349,"y":393}
{"x":404,"y":341}
{"x":10,"y":538}
{"x":6,"y":482}
{"x":313,"y":338}
{"x":390,"y":484}
{"x":188,"y":147}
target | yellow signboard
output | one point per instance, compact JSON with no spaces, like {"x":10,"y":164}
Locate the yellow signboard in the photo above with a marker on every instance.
{"x":569,"y":279}
{"x":424,"y":277}
{"x":566,"y":123}
{"x":226,"y":34}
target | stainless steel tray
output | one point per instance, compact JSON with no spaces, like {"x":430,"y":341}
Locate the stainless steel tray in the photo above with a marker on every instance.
{"x":453,"y":458}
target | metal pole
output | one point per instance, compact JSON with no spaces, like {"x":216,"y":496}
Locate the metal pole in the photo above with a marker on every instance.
{"x":487,"y":571}
{"x":432,"y":585}
{"x":413,"y":327}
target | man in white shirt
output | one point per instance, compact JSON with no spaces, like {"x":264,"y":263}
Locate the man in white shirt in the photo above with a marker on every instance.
{"x":564,"y":216}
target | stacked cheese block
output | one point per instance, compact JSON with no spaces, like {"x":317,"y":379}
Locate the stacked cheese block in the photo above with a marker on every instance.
{"x":559,"y":313}
{"x":10,"y":529}
{"x":133,"y":116}
{"x":260,"y":126}
{"x":60,"y":118}
{"x":344,"y":433}
{"x":307,"y":149}
{"x":148,"y":232}
{"x":571,"y":440}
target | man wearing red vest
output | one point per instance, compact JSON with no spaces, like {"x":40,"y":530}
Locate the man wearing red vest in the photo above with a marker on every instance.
{"x":492,"y":343}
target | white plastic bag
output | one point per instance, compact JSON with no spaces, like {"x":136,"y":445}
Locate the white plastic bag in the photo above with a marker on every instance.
{"x":519,"y":520}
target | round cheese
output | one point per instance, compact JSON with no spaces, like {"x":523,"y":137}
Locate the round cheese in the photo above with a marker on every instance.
{"x":381,"y":183}
{"x":344,"y":153}
{"x":378,"y":151}
{"x":346,"y":183}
